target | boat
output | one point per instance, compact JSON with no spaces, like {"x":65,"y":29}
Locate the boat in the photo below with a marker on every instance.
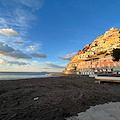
{"x":109,"y":77}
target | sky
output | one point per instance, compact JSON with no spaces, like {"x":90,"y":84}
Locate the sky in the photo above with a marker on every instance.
{"x":43,"y":35}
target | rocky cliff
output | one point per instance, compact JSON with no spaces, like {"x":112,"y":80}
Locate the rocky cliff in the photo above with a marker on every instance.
{"x":101,"y":47}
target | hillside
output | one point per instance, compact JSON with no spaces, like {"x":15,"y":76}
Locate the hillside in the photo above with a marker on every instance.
{"x":101,"y":48}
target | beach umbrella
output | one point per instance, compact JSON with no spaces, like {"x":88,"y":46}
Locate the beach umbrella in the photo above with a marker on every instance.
{"x":100,"y":69}
{"x":96,"y":70}
{"x":104,"y":69}
{"x":109,"y":69}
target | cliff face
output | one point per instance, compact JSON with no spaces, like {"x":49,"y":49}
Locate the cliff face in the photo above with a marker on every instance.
{"x":100,"y":48}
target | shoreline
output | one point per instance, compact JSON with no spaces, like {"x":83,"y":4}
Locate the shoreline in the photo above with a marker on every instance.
{"x":53,"y":98}
{"x":25,"y":77}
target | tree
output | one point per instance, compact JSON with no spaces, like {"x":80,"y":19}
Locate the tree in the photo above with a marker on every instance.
{"x":116,"y":54}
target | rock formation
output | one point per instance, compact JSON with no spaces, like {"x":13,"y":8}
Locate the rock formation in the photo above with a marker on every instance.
{"x":101,"y":48}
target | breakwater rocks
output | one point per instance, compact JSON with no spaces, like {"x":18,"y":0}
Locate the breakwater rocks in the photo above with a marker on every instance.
{"x":56,"y":74}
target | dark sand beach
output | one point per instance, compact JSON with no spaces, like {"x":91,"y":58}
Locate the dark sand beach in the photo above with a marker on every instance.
{"x":53,"y":98}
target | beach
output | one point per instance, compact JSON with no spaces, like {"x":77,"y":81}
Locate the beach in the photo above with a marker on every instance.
{"x":53,"y":98}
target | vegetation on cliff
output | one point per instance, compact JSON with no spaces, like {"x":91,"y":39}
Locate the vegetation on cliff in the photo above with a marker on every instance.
{"x":116,"y":54}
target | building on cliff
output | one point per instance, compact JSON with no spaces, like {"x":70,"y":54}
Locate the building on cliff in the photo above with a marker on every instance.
{"x":98,"y":54}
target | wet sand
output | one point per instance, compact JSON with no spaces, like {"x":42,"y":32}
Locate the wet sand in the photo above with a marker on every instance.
{"x":53,"y":98}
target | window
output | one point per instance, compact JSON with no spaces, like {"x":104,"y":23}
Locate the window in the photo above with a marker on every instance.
{"x":114,"y":64}
{"x":102,"y":65}
{"x":108,"y":65}
{"x":110,"y":60}
{"x":98,"y":66}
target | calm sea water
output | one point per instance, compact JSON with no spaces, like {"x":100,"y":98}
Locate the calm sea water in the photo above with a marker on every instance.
{"x":21,"y":75}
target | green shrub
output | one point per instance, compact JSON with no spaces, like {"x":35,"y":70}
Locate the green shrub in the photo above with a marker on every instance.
{"x":116,"y":54}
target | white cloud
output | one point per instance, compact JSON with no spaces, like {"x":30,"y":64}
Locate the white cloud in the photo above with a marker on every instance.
{"x":1,"y":61}
{"x":54,"y":65}
{"x":35,"y":4}
{"x":9,"y":32}
{"x":32,"y":47}
{"x":8,"y":51}
{"x":19,"y":43}
{"x":23,"y":18}
{"x":7,"y":62}
{"x":4,"y":48}
{"x":3,"y":23}
{"x":18,"y":17}
{"x":15,"y":14}
{"x":68,"y":56}
{"x":17,"y":54}
{"x":16,"y":63}
{"x":38,"y":55}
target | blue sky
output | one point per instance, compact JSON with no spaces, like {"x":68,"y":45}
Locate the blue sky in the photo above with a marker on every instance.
{"x":43,"y":35}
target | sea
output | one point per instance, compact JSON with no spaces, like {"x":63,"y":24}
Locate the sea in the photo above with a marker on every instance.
{"x":22,"y":75}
